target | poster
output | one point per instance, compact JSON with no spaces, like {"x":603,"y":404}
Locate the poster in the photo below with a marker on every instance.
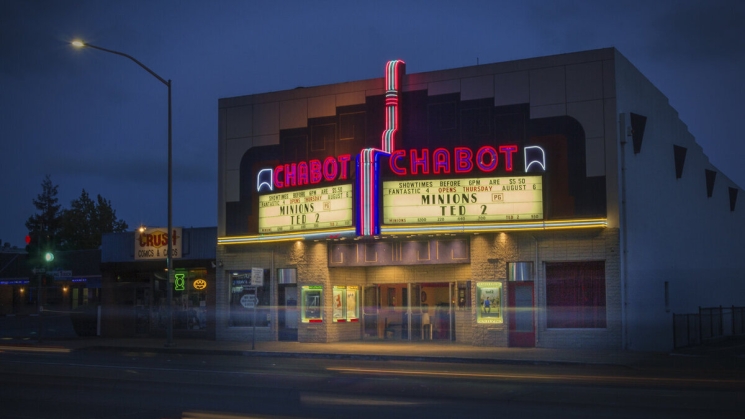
{"x":352,"y":297}
{"x":489,"y":298}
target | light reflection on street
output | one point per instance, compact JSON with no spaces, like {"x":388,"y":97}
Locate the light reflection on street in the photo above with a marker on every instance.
{"x":542,"y":377}
{"x":47,"y":349}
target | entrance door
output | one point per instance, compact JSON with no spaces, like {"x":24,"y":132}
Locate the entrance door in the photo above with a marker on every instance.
{"x":370,"y":311}
{"x":288,"y":314}
{"x":520,"y":313}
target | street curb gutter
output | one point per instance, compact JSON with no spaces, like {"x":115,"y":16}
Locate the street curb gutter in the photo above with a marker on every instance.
{"x":347,"y":356}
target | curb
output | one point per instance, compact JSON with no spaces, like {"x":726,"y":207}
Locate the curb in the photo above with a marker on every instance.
{"x":346,"y":356}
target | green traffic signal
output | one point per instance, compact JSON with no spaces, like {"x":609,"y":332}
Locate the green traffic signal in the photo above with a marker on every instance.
{"x":48,"y":256}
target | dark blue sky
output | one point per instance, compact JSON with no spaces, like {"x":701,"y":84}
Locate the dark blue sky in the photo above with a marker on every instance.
{"x":96,"y":121}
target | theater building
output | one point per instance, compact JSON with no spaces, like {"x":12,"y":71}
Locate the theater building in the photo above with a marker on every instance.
{"x":548,"y":202}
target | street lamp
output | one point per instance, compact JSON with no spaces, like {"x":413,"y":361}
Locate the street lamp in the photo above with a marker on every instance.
{"x":169,"y":256}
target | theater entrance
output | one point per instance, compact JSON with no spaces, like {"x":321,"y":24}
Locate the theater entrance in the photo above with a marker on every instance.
{"x":418,"y":312}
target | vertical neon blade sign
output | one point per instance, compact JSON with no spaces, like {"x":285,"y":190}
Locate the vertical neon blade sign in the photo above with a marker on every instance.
{"x":367,"y":162}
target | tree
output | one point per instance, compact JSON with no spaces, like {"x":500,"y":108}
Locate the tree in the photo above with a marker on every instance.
{"x":44,"y":226}
{"x":86,"y":220}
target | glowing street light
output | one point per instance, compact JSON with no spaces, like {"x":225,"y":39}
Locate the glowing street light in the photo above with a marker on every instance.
{"x":169,"y":257}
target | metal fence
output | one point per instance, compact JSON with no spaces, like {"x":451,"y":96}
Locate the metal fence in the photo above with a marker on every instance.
{"x":708,"y":324}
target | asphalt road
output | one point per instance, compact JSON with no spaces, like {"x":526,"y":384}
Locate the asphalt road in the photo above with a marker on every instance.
{"x":55,"y":383}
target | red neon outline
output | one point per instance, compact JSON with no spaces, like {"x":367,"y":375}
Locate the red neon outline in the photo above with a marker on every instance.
{"x":508,"y":150}
{"x":344,"y":163}
{"x":393,"y":162}
{"x":277,"y":182}
{"x":290,"y":174}
{"x":480,"y":158}
{"x":463,"y":155}
{"x":302,"y":173}
{"x":315,"y":171}
{"x":441,"y":162}
{"x":416,"y":161}
{"x":327,"y":174}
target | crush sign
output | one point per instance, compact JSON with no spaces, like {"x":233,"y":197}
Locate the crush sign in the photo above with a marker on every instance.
{"x":152,"y":244}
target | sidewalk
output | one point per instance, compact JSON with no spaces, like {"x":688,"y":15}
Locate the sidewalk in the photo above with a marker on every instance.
{"x":726,"y":354}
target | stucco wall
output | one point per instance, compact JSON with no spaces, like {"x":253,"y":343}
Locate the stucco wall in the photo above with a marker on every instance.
{"x":674,"y":232}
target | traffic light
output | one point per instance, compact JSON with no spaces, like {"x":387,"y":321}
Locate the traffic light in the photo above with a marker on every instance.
{"x":48,"y":256}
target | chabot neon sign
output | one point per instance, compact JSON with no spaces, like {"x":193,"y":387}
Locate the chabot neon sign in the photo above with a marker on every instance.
{"x":304,"y":173}
{"x":424,"y":161}
{"x":461,"y":160}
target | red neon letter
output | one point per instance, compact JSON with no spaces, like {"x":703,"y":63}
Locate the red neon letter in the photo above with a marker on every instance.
{"x":344,"y":163}
{"x":277,"y":178}
{"x":463,"y":160}
{"x":330,"y":169}
{"x":290,"y":175}
{"x":302,"y":173}
{"x":507,"y":150}
{"x":441,"y":160}
{"x":315,"y":171}
{"x":393,"y":162}
{"x":422,"y":162}
{"x":492,"y":153}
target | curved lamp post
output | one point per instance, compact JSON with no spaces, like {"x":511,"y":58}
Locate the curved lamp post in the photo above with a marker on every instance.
{"x":169,"y":256}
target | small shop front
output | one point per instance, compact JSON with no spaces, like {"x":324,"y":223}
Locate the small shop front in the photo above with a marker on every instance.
{"x":135,"y":289}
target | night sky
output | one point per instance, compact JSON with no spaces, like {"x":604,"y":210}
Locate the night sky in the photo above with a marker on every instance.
{"x":97,"y":121}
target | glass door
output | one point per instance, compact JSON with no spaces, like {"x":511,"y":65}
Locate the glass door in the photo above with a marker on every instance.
{"x":288,"y":314}
{"x":370,"y":300}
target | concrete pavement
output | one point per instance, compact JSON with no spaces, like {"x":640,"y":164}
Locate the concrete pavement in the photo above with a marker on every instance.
{"x":726,"y":354}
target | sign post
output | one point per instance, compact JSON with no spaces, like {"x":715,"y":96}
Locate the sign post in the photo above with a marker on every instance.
{"x":257,"y":280}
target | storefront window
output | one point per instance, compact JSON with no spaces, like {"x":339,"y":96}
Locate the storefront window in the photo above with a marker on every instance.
{"x":244,"y":299}
{"x":346,"y":303}
{"x":489,"y":297}
{"x":575,"y":294}
{"x":311,"y":299}
{"x":189,"y":300}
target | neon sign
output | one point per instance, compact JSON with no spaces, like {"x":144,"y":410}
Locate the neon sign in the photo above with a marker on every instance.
{"x":179,"y":282}
{"x":460,"y":161}
{"x":307,"y":173}
{"x":368,"y":162}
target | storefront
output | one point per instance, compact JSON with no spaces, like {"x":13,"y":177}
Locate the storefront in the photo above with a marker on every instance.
{"x":135,"y":283}
{"x":71,"y":282}
{"x":483,"y":205}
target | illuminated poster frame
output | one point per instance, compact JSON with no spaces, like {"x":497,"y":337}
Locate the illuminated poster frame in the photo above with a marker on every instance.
{"x":346,"y":303}
{"x":311,"y":303}
{"x":489,"y":307}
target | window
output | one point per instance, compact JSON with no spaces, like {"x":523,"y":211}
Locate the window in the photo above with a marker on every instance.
{"x":575,"y":294}
{"x":244,"y":299}
{"x":346,"y":303}
{"x":489,"y":297}
{"x":189,"y":301}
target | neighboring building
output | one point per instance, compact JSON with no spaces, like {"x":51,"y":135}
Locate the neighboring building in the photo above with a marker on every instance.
{"x":135,"y":283}
{"x":71,"y":282}
{"x":552,"y":202}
